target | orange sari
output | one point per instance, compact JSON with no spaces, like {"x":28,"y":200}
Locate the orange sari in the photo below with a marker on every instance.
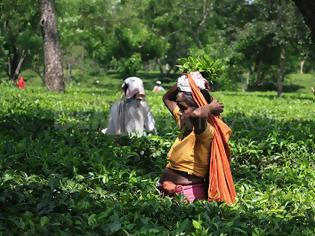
{"x":221,"y":186}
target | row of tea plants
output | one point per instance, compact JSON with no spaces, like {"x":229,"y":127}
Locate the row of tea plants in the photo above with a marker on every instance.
{"x":60,"y":175}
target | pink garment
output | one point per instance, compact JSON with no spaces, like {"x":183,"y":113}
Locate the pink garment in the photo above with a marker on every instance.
{"x":192,"y":192}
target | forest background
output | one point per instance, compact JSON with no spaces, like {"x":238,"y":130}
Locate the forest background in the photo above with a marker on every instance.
{"x":259,"y":43}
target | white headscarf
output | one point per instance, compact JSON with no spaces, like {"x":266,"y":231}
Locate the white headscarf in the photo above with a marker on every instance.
{"x":135,"y":87}
{"x":183,"y":83}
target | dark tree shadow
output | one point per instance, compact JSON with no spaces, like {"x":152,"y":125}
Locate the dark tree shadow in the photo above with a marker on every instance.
{"x":292,"y":88}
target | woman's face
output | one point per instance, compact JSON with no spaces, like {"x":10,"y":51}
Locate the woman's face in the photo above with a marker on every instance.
{"x":186,"y":106}
{"x":185,"y":103}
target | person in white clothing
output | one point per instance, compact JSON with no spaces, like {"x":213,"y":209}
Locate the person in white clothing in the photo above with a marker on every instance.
{"x":131,"y":115}
{"x":158,"y":87}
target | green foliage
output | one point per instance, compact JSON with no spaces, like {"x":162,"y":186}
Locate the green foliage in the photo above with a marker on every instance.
{"x":20,"y":33}
{"x":260,"y":39}
{"x":300,"y":82}
{"x":129,"y":66}
{"x":207,"y":66}
{"x":60,"y":175}
{"x":245,"y":36}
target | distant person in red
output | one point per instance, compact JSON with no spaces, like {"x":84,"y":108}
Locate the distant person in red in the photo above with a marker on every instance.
{"x":20,"y":83}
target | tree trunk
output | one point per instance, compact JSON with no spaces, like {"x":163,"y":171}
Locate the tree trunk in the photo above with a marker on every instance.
{"x":259,"y":72}
{"x":38,"y":70}
{"x":54,"y":79}
{"x":159,"y":63}
{"x":14,"y":65}
{"x":168,"y":69}
{"x":69,"y":72}
{"x":281,"y":72}
{"x":204,"y":15}
{"x":9,"y":68}
{"x":13,"y":61}
{"x":18,"y":67}
{"x":307,"y":8}
{"x":248,"y":78}
{"x":302,"y":66}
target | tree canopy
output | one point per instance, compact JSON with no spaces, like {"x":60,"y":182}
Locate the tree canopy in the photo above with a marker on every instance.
{"x":246,"y":36}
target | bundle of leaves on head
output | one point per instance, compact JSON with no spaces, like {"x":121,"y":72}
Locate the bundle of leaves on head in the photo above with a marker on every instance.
{"x":208,"y":67}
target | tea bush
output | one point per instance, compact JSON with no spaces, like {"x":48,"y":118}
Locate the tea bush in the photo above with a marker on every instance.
{"x":60,"y":175}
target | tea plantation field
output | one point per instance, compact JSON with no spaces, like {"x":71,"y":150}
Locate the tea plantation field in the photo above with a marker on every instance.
{"x":59,"y":175}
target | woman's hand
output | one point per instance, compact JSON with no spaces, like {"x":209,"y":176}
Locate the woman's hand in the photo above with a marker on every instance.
{"x":215,"y":107}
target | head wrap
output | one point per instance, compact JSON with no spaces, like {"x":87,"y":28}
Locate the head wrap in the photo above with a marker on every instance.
{"x":134,"y":87}
{"x":184,"y":86}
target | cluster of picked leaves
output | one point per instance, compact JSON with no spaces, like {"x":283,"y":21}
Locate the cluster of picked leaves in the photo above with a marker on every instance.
{"x":209,"y":67}
{"x":60,"y":175}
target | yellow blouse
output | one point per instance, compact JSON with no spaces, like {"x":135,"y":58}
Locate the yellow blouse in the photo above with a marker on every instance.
{"x":192,"y":153}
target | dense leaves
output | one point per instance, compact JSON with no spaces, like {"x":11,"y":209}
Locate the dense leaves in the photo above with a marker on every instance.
{"x":19,"y":34}
{"x":60,"y":175}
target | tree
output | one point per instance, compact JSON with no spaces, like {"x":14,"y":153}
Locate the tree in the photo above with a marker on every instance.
{"x":182,"y":25}
{"x":268,"y":37}
{"x":53,"y":76}
{"x":286,"y":32}
{"x":307,"y":8}
{"x":114,"y":31}
{"x":19,"y":35}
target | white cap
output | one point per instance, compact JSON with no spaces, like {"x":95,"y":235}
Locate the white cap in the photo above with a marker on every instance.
{"x":183,"y":83}
{"x":158,"y":82}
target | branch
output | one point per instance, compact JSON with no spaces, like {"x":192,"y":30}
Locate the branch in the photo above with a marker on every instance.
{"x":17,"y":69}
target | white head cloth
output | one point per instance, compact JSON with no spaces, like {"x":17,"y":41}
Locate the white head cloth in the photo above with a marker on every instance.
{"x":183,"y":83}
{"x":135,"y":86}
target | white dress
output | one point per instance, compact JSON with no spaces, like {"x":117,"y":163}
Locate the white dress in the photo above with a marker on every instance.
{"x":130,"y":117}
